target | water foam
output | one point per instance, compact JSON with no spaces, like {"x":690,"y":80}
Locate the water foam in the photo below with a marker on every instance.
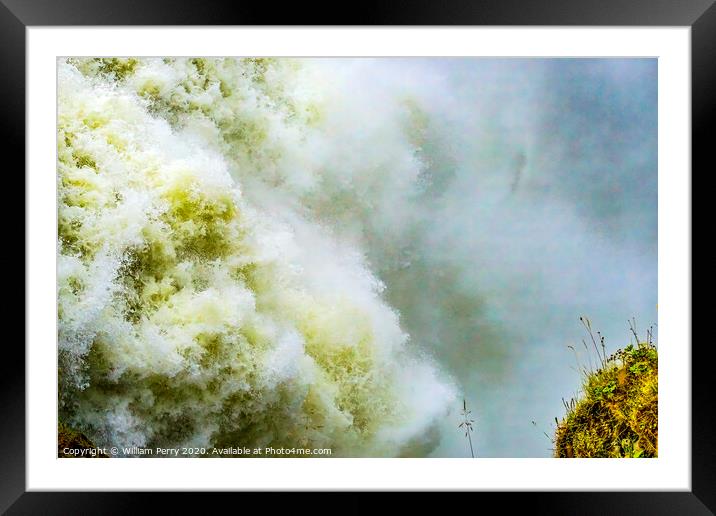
{"x":212,"y":283}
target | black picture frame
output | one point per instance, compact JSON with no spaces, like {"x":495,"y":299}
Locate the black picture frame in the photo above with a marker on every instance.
{"x":700,"y":15}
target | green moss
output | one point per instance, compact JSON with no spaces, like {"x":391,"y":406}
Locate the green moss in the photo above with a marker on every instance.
{"x":617,"y":414}
{"x":68,"y":437}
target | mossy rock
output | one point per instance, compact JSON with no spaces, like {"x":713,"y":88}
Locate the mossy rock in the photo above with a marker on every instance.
{"x":69,"y":438}
{"x":618,"y":411}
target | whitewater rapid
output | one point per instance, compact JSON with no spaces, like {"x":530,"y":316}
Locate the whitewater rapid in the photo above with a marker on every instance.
{"x":205,"y":296}
{"x":333,"y":253}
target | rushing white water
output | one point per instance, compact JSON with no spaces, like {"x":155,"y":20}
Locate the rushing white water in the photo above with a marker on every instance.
{"x":332,"y":253}
{"x":201,"y":303}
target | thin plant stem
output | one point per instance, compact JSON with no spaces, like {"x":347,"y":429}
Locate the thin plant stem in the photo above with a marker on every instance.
{"x":467,"y":424}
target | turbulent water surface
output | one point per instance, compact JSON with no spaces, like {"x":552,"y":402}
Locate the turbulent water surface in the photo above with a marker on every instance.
{"x":334,"y":253}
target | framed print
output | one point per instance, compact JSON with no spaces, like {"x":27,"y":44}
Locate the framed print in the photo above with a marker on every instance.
{"x":438,"y":250}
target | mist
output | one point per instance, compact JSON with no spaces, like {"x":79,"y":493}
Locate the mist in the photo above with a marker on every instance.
{"x":539,"y":207}
{"x":445,"y":221}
